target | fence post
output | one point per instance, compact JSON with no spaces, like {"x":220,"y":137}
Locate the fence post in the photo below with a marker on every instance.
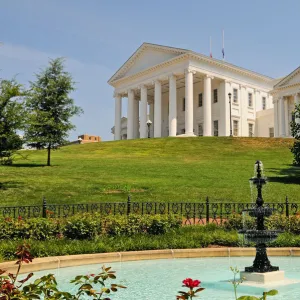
{"x":44,"y":208}
{"x":128,"y":205}
{"x":207,"y":210}
{"x":287,"y":212}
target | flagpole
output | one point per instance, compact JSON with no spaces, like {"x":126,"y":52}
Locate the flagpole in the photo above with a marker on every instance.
{"x":223,"y":49}
{"x":210,"y":54}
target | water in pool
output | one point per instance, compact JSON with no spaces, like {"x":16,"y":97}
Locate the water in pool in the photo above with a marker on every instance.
{"x":161,"y":279}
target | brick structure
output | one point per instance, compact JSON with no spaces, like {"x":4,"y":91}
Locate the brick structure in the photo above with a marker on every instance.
{"x":85,"y":138}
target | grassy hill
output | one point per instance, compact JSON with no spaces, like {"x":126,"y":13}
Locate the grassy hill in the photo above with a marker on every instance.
{"x":169,"y":169}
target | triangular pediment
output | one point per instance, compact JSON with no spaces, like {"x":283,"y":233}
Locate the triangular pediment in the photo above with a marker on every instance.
{"x":291,"y":79}
{"x":145,"y":57}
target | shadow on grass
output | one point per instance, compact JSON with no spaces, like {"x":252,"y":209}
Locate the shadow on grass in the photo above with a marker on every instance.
{"x":26,"y":165}
{"x":290,"y":175}
{"x":9,"y":185}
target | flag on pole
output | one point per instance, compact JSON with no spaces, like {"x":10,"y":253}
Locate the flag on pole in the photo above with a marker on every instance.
{"x":223,"y":48}
{"x":210,"y":54}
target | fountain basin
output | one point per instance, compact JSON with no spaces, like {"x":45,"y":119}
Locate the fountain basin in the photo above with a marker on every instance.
{"x":260,"y":236}
{"x":161,"y":279}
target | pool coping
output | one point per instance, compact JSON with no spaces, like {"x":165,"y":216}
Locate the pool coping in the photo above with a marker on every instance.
{"x":55,"y":262}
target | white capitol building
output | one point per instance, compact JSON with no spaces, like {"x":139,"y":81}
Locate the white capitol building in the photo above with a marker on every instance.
{"x":186,"y":93}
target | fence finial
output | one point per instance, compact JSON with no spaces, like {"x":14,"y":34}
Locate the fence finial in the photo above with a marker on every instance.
{"x":44,"y":208}
{"x":128,"y":205}
{"x":287,"y":211}
{"x":207,"y":210}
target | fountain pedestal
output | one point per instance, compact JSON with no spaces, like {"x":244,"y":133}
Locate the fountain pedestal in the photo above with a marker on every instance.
{"x":263,"y":278}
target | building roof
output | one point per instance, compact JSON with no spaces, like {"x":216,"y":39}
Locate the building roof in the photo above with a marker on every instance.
{"x":287,"y":78}
{"x":181,"y":52}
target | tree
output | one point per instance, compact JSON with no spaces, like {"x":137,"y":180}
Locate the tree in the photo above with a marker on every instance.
{"x":51,"y":107}
{"x":295,"y":129}
{"x":12,"y":117}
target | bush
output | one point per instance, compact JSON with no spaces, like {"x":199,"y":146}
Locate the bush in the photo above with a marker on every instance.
{"x":239,"y":222}
{"x":86,"y":226}
{"x":82,"y":227}
{"x":35,"y":228}
{"x":135,"y":224}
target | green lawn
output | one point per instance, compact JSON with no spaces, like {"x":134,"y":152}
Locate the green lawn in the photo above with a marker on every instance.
{"x":169,"y":169}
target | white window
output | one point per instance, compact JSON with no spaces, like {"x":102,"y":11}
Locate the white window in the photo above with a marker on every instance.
{"x":200,"y":130}
{"x":250,"y":129}
{"x":250,"y":100}
{"x":216,"y":128}
{"x":235,"y":95}
{"x":183,"y":104}
{"x":271,"y":132}
{"x":235,"y":127}
{"x":215,"y":95}
{"x":264,"y":103}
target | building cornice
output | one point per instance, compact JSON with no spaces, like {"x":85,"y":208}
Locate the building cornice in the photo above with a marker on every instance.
{"x":284,"y":88}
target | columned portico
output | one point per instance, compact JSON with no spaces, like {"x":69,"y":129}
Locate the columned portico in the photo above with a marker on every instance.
{"x":118,"y":115}
{"x":172,"y":106}
{"x":188,"y":93}
{"x":157,"y":109}
{"x":130,"y":115}
{"x":143,"y":112}
{"x":189,"y":103}
{"x":207,"y":106}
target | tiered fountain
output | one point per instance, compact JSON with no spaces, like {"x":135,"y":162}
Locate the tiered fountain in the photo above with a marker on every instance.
{"x":261,"y":271}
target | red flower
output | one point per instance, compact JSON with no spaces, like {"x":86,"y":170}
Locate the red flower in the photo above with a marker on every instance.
{"x":20,"y":218}
{"x":190,"y":283}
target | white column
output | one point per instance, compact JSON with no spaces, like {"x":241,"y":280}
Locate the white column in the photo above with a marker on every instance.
{"x":157,"y":109}
{"x":151,"y":116}
{"x":207,"y":106}
{"x":297,"y":102}
{"x":118,"y":116}
{"x":276,"y":120}
{"x":130,"y":114}
{"x":281,"y":117}
{"x":136,"y":123}
{"x":172,"y":106}
{"x":244,"y":111}
{"x":286,"y":117}
{"x":189,"y":103}
{"x":225,"y":89}
{"x":143,"y":113}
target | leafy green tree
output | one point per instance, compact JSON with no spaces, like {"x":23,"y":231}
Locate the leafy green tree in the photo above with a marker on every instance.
{"x":51,"y":107}
{"x":12,"y":117}
{"x":295,"y":130}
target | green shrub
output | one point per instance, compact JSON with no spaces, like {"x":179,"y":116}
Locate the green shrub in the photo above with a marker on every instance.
{"x":82,"y":227}
{"x":35,"y":228}
{"x":136,"y":224}
{"x":239,"y":222}
{"x":86,"y":226}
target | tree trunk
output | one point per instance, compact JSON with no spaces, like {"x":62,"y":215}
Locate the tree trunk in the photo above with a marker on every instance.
{"x":49,"y":153}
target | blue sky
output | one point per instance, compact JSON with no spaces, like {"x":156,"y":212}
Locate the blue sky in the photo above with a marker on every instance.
{"x":97,"y":36}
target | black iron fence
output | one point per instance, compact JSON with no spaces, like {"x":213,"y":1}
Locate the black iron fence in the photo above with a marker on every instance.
{"x":191,"y":212}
